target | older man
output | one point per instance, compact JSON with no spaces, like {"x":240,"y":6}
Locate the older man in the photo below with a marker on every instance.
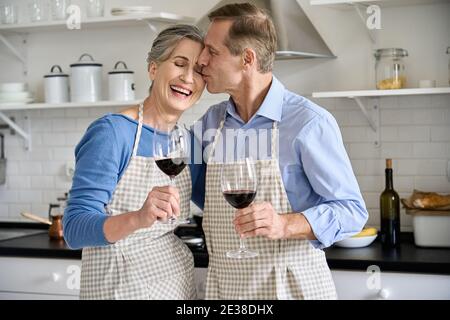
{"x":307,"y":197}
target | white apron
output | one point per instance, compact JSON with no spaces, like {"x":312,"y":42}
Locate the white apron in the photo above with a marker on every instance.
{"x":151,"y":263}
{"x":284,"y":269}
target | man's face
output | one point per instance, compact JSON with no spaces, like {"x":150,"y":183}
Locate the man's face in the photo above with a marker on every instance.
{"x":221,"y":71}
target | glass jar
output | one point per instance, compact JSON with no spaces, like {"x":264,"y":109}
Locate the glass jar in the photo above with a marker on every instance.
{"x":390,"y":68}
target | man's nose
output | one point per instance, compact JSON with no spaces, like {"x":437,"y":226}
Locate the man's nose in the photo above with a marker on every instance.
{"x":203,"y":58}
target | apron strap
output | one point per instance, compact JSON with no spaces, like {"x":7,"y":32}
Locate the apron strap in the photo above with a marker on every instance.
{"x":139,"y":129}
{"x":216,"y":136}
{"x":274,"y":144}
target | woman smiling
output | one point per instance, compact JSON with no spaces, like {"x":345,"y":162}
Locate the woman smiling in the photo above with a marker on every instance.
{"x":116,"y":202}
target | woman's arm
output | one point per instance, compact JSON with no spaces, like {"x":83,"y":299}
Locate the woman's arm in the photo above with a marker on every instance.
{"x":101,"y":157}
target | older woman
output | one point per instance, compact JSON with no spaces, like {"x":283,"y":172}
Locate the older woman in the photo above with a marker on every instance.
{"x":115,"y":200}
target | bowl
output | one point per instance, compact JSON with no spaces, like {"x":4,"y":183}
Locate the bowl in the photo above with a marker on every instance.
{"x":13,"y":87}
{"x":358,"y":242}
{"x":14,"y":96}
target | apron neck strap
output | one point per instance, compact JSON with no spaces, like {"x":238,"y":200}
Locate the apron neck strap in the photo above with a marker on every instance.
{"x":274,"y":143}
{"x":139,"y":129}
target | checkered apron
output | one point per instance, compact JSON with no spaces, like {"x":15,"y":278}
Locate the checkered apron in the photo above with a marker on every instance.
{"x":284,"y":269}
{"x":151,"y":263}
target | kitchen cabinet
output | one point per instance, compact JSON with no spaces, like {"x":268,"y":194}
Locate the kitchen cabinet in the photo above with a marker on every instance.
{"x":59,"y":279}
{"x":37,"y":278}
{"x":53,"y":279}
{"x":360,"y":285}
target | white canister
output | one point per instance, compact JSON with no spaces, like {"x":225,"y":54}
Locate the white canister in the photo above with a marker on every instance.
{"x":86,"y":80}
{"x":121,"y":83}
{"x":56,"y":86}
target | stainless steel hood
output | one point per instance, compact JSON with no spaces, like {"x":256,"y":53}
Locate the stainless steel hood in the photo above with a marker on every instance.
{"x":297,"y":37}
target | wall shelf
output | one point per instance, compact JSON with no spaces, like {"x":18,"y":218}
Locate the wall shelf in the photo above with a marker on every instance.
{"x":373,"y":114}
{"x":42,"y":106}
{"x":26,"y":134}
{"x":382,"y":3}
{"x":85,"y":24}
{"x":111,"y":21}
{"x":381,"y":93}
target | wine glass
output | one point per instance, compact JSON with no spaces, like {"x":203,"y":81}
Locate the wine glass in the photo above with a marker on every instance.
{"x":239,"y":184}
{"x":170,"y":150}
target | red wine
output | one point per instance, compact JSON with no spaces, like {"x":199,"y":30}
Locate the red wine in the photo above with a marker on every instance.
{"x":239,"y":198}
{"x":390,"y":211}
{"x":172,"y":166}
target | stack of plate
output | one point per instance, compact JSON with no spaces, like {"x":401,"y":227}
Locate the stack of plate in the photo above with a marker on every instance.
{"x":14,"y":93}
{"x":133,"y":10}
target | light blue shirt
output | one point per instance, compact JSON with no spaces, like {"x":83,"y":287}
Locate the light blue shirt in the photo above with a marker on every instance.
{"x":314,"y":165}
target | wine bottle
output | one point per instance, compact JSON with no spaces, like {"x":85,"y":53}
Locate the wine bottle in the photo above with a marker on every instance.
{"x":390,"y":211}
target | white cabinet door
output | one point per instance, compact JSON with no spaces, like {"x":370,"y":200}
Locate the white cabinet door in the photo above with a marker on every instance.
{"x":359,"y":285}
{"x":34,"y":296}
{"x":40,"y":276}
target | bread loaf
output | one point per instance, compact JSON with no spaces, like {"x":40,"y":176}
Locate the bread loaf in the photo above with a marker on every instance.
{"x":430,"y":200}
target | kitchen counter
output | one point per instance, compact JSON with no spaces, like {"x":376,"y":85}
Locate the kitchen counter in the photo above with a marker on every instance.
{"x":408,"y":258}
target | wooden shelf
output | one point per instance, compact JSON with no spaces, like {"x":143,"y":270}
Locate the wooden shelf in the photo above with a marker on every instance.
{"x":41,"y":106}
{"x":381,"y":93}
{"x":110,"y":21}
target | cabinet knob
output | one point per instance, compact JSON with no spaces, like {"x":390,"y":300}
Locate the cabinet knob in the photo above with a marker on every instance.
{"x":56,"y":276}
{"x":383,"y":294}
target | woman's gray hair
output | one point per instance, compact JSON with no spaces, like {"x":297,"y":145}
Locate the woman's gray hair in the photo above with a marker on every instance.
{"x":167,"y":40}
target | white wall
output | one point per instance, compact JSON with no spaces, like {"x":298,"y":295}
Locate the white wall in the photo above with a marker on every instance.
{"x":415,"y":130}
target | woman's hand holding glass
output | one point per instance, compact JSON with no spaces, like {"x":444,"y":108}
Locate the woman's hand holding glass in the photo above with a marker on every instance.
{"x":161,"y":204}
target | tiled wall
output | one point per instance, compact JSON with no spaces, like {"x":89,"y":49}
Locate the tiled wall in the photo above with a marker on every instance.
{"x":415,"y":132}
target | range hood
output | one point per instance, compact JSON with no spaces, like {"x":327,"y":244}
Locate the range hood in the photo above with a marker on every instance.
{"x":297,"y":37}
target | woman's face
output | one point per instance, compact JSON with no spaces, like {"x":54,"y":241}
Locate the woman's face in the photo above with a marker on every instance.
{"x":177,"y":82}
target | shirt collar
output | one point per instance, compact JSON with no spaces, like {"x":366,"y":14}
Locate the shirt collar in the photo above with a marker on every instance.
{"x":271,"y":107}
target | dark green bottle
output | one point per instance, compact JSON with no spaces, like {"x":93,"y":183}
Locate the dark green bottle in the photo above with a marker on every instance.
{"x":390,"y":211}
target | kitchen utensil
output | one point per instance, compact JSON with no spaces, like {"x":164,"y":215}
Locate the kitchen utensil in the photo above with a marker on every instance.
{"x":95,"y":8}
{"x":121,"y":83}
{"x":59,"y":9}
{"x":55,"y":231}
{"x":86,"y":80}
{"x":56,"y":86}
{"x":359,"y":242}
{"x":35,"y":218}
{"x":2,"y":160}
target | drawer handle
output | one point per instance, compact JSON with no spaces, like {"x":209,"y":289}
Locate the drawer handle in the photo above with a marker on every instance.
{"x":56,"y":276}
{"x":383,"y":294}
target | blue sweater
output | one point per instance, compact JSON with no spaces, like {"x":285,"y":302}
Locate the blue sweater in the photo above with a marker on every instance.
{"x":102,"y":156}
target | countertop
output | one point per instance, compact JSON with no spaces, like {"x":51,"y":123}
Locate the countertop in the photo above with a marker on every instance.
{"x":407,"y":258}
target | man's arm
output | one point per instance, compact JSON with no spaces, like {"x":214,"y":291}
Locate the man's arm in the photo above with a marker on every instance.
{"x":341,"y":212}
